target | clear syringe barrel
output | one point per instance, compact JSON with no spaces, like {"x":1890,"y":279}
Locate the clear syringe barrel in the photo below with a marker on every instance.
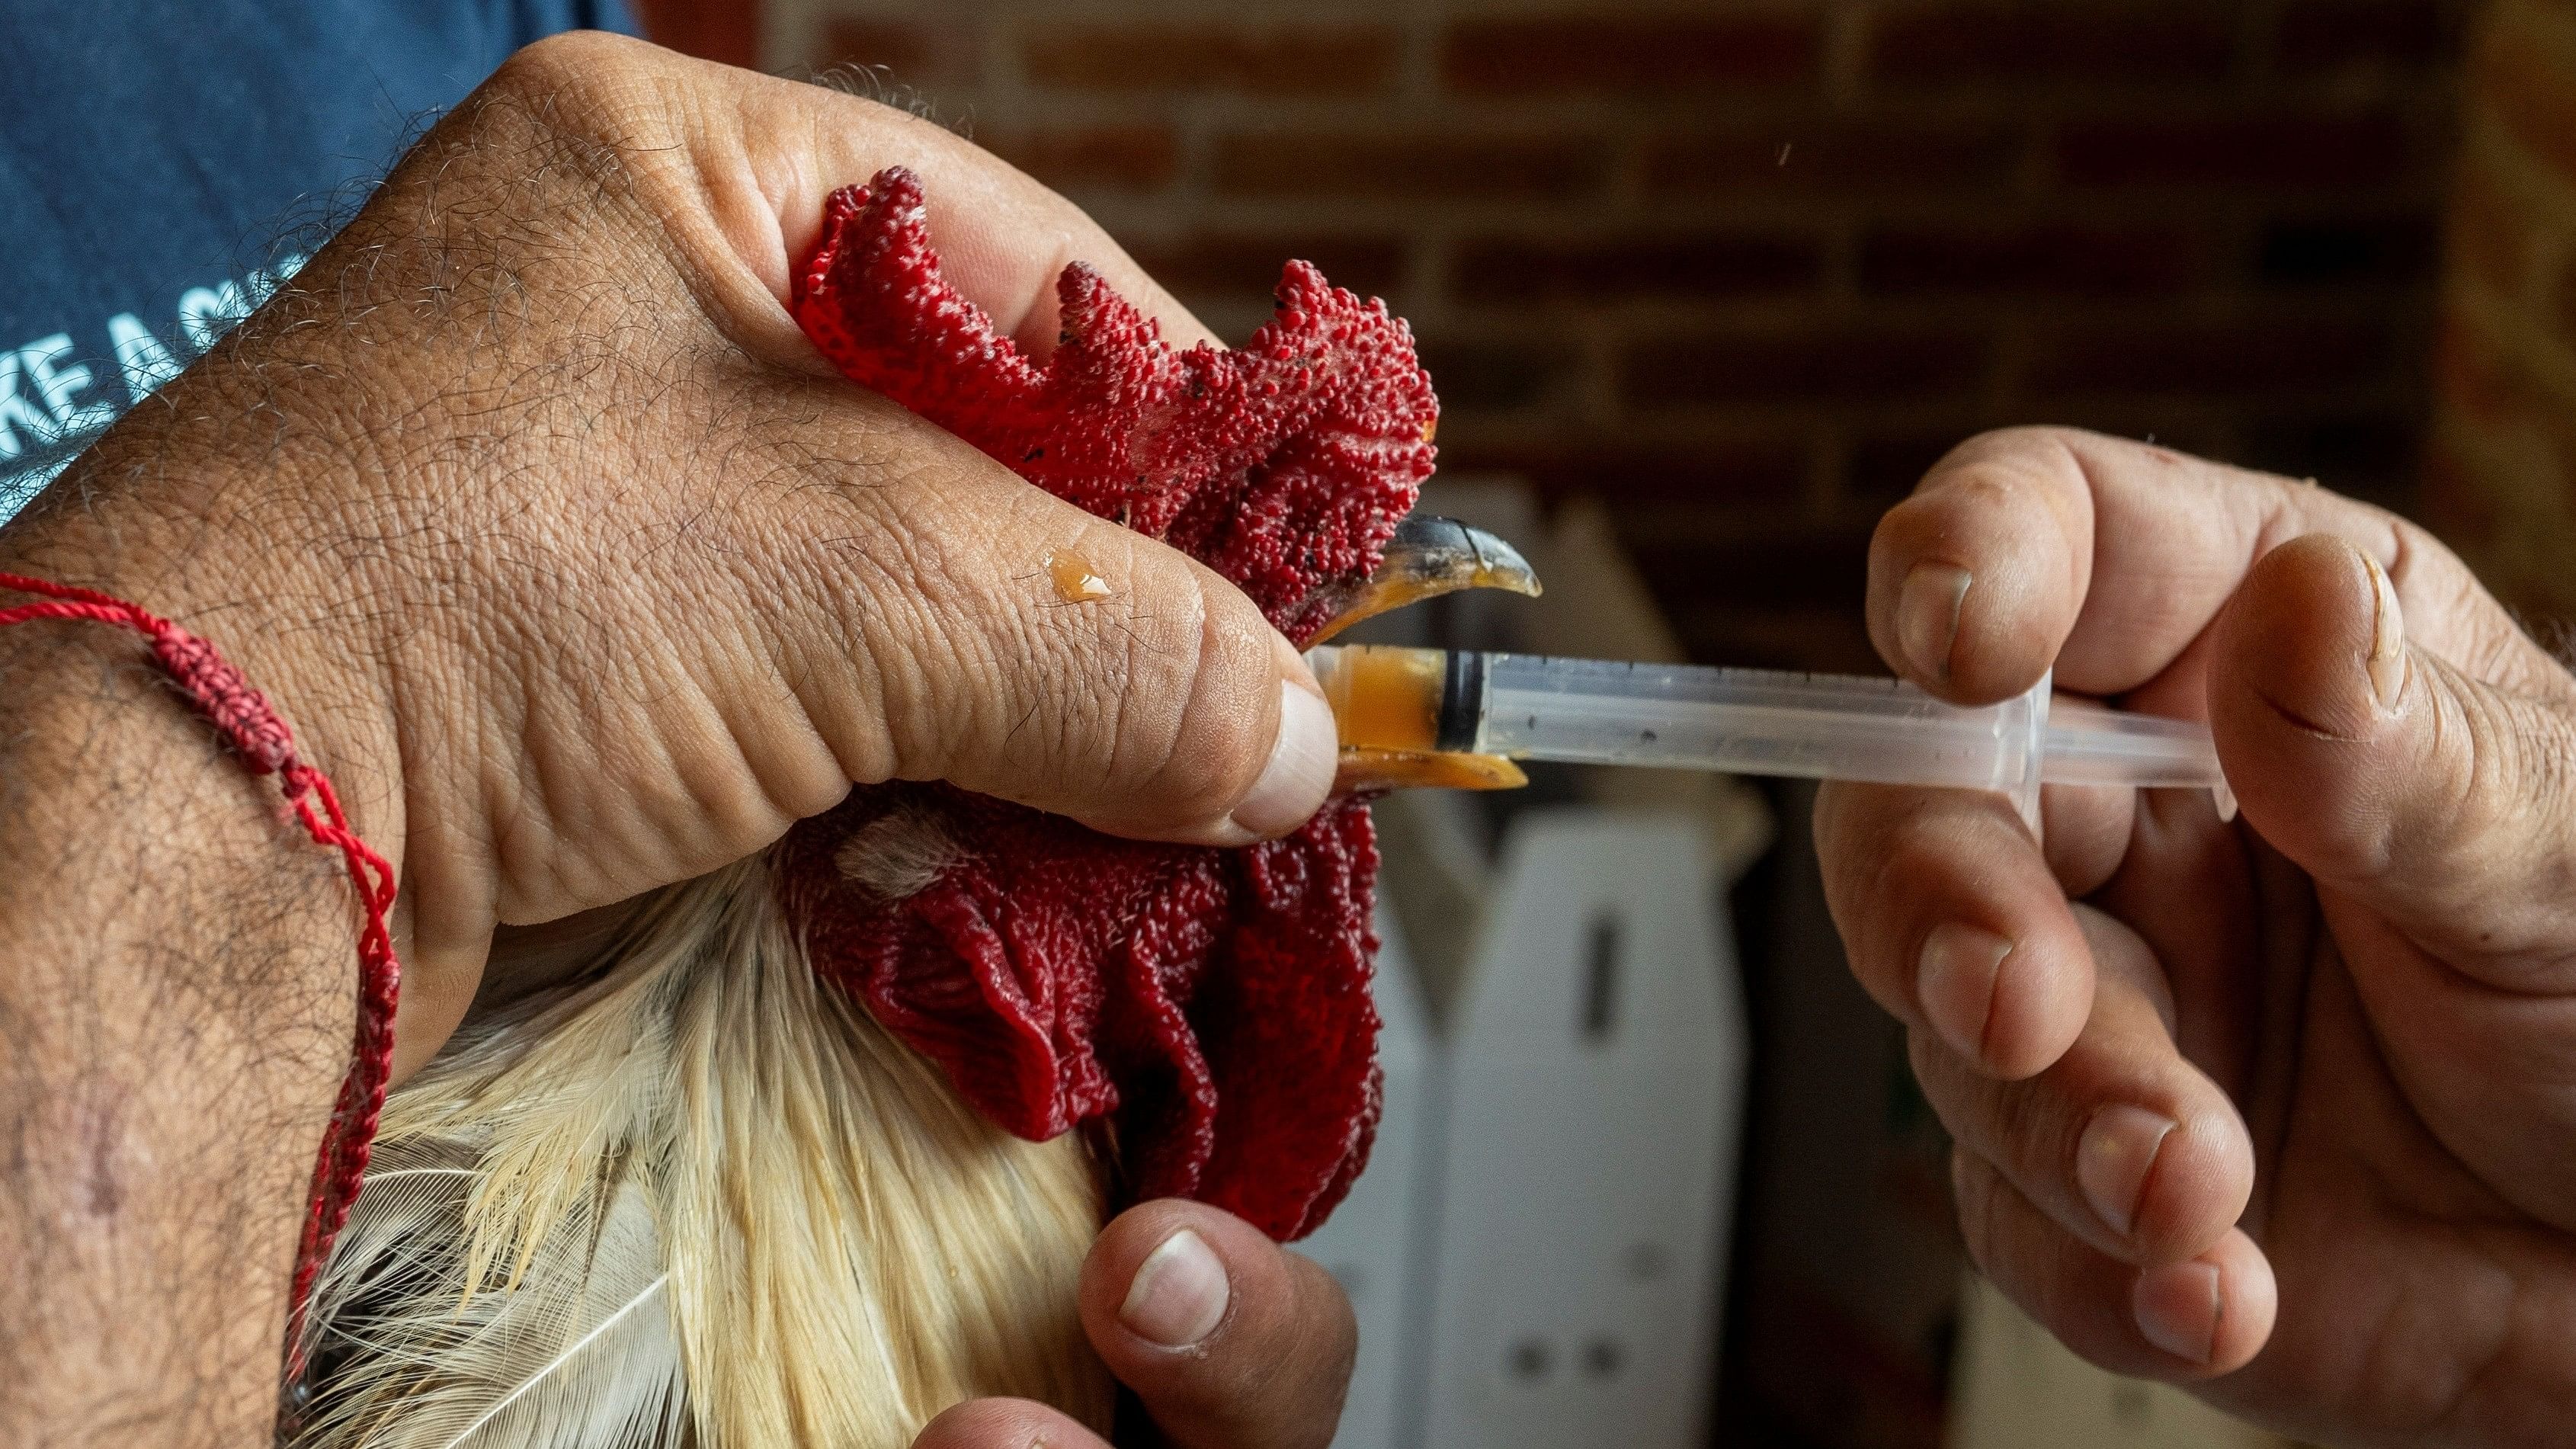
{"x":1755,"y":722}
{"x":1758,"y":722}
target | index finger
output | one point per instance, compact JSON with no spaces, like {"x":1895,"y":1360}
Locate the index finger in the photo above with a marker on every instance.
{"x":757,"y":155}
{"x":2036,"y":548}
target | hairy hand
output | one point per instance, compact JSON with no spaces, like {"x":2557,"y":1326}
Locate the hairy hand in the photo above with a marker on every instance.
{"x":2278,"y":1107}
{"x":1228,"y":1340}
{"x":584,"y":574}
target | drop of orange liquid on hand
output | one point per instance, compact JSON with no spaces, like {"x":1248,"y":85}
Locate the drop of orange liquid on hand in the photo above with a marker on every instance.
{"x":1075,"y":583}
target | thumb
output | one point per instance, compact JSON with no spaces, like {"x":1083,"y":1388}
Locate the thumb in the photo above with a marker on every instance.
{"x":1229,"y":1340}
{"x":1014,"y":645}
{"x":2440,"y":802}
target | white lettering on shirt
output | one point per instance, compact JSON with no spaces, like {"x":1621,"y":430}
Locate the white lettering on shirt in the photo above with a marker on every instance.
{"x":139,"y":355}
{"x":207,"y":313}
{"x":42,"y":402}
{"x":23,"y":423}
{"x":60,"y":385}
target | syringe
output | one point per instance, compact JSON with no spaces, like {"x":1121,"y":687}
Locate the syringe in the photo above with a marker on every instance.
{"x":1747,"y":721}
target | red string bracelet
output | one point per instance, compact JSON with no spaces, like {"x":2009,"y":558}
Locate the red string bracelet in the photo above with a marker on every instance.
{"x":252,"y":727}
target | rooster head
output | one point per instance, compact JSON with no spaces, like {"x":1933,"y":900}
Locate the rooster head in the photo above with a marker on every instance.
{"x":1207,"y":1010}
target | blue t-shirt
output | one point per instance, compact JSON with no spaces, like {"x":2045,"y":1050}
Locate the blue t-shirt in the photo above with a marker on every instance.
{"x":166,"y":162}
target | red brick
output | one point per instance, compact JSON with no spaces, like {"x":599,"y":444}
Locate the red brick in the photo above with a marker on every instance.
{"x":1885,"y":462}
{"x":2477,"y":376}
{"x":1825,"y":156}
{"x":1125,"y":158}
{"x":2456,"y":504}
{"x":909,"y":52}
{"x":2224,"y":362}
{"x":1812,"y":364}
{"x":1881,"y":468}
{"x":1832,"y":640}
{"x":1244,"y":266}
{"x":1526,"y":56}
{"x":1509,"y":271}
{"x":1484,"y":376}
{"x":2373,"y":455}
{"x":1270,"y":60}
{"x":2278,"y":152}
{"x":2164,"y":42}
{"x":2533,"y":93}
{"x":2388,"y":250}
{"x":2048,"y":260}
{"x":1711,"y":471}
{"x":2318,"y":35}
{"x":2492,"y":236}
{"x":1826,"y":567}
{"x":1409,"y":166}
{"x":727,"y":33}
{"x":2562,"y":304}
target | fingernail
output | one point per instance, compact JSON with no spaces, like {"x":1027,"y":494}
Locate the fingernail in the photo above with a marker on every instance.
{"x":2177,"y":1307}
{"x":1927,"y":616}
{"x":2387,"y":638}
{"x":1955,"y":980}
{"x":2113,"y":1158}
{"x":1179,"y":1293}
{"x":1300,"y":772}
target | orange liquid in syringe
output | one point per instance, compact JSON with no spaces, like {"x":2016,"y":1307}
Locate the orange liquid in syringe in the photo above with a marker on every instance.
{"x":1387,"y":698}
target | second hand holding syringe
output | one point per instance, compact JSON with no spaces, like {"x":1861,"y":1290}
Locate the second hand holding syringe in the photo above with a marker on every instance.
{"x":1748,"y":721}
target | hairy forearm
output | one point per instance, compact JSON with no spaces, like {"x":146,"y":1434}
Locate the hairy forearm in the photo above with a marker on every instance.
{"x":176,"y":998}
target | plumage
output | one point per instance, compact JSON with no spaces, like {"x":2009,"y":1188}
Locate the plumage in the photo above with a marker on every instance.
{"x":697,"y":1199}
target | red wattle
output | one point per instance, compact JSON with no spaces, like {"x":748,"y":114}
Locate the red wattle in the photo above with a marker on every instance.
{"x":1212,"y":1006}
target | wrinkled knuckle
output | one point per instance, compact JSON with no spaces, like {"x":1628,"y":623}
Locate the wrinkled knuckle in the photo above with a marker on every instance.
{"x":584,"y":101}
{"x":2031,"y":1125}
{"x":2527,"y":786}
{"x":1913,"y":846}
{"x":2511,"y":763}
{"x":571,"y":64}
{"x":1855,"y":830}
{"x":1200,"y":750}
{"x":940,"y":656}
{"x":1878,"y":903}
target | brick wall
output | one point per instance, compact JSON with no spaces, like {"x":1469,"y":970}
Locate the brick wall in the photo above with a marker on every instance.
{"x":2503,"y":482}
{"x":1744,"y":268}
{"x":728,"y":30}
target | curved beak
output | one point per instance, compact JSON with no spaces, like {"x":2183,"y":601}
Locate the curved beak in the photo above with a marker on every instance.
{"x":1429,"y":557}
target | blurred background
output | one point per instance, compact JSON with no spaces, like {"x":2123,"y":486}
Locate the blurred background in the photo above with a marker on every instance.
{"x":1723,"y":278}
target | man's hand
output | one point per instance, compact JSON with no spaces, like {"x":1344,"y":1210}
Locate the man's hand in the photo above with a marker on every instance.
{"x":1229,"y":1340}
{"x":581,"y":573}
{"x":584,"y":574}
{"x":2280,"y":1107}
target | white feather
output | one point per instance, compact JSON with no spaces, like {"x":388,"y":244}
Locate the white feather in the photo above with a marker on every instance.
{"x":551,"y":1373}
{"x":695,"y":1202}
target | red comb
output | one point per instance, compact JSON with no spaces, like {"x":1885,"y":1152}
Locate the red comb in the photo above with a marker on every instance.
{"x":1212,"y":1006}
